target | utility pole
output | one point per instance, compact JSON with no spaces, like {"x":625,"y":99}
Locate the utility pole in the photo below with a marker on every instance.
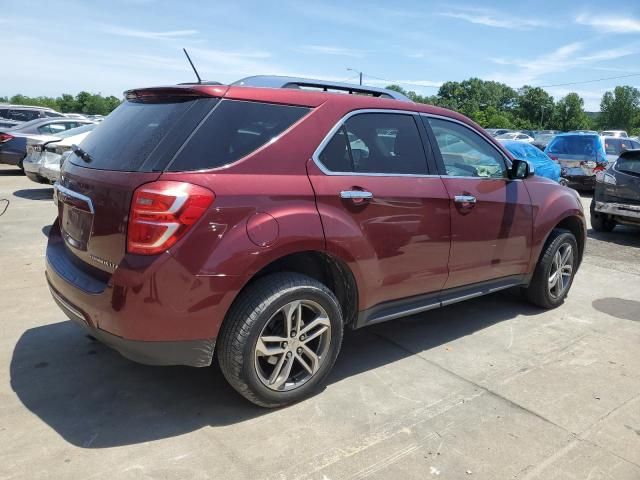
{"x":359,"y":73}
{"x":542,"y":117}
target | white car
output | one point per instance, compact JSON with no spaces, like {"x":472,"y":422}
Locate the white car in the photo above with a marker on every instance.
{"x":43,"y":160}
{"x":614,"y":133}
{"x":517,"y":136}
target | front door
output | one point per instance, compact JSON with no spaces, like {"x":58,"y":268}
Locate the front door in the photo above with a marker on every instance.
{"x":380,"y":209}
{"x":491,"y":215}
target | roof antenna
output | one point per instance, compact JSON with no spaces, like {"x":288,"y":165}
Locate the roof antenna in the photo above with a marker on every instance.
{"x":192,"y":65}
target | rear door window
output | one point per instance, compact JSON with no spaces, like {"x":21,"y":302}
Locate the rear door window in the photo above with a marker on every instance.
{"x":378,"y":143}
{"x":233,"y":130}
{"x":23,"y":115}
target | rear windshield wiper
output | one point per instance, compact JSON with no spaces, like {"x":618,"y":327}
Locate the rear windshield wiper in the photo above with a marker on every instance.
{"x":81,"y":153}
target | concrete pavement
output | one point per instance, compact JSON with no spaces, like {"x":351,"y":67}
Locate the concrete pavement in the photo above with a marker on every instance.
{"x":488,"y":389}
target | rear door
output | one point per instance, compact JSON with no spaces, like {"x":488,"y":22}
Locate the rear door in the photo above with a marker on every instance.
{"x":491,"y":215}
{"x":379,"y":206}
{"x":131,"y":147}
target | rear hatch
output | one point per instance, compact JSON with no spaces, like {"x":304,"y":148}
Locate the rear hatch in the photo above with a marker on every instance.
{"x":131,"y":147}
{"x":578,"y":155}
{"x":626,"y":172}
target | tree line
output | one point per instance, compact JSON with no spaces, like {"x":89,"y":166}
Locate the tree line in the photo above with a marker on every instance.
{"x":83,"y":102}
{"x":491,"y":104}
{"x":497,"y":105}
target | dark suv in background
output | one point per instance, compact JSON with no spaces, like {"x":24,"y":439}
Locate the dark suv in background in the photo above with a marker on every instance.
{"x":255,"y":224}
{"x":12,"y":115}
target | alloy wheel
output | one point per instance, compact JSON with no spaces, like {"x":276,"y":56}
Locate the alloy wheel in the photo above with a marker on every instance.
{"x":293,"y":345}
{"x":561,"y":271}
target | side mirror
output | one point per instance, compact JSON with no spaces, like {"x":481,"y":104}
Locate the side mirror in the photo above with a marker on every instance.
{"x":521,"y":169}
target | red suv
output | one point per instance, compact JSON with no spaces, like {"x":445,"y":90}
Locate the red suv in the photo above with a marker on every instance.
{"x":256,"y":221}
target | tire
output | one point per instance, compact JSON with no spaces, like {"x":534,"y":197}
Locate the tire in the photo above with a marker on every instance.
{"x":540,"y":292}
{"x":601,"y":222}
{"x":259,"y":313}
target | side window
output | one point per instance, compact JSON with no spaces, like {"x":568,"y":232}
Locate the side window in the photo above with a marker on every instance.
{"x":53,"y":128}
{"x":22,"y":115}
{"x":465,"y":153}
{"x":234,"y":130}
{"x":387,"y":143}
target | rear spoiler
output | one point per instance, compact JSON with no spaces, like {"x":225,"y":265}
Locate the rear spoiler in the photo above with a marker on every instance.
{"x":176,"y":92}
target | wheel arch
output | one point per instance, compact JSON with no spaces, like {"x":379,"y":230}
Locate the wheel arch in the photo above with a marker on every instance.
{"x":331,"y":271}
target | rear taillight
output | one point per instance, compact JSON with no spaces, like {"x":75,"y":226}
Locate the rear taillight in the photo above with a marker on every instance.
{"x":5,"y":137}
{"x":554,"y":158}
{"x":162,"y":212}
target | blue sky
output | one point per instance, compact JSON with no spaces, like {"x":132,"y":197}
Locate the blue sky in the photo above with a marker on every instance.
{"x":66,"y":46}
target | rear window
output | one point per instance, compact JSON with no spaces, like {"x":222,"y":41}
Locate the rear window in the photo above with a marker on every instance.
{"x":143,"y":136}
{"x":630,"y":165}
{"x":573,"y":145}
{"x":233,"y":130}
{"x":22,"y":115}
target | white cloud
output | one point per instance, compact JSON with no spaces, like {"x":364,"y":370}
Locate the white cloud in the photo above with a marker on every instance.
{"x":331,"y":50}
{"x":530,"y":70}
{"x":612,"y":24}
{"x":129,"y":32}
{"x":490,"y":18}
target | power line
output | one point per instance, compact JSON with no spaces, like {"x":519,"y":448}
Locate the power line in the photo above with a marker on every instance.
{"x":590,"y":81}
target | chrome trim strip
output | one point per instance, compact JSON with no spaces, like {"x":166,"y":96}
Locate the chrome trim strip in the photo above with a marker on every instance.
{"x":77,"y":195}
{"x":621,"y":209}
{"x":405,"y":313}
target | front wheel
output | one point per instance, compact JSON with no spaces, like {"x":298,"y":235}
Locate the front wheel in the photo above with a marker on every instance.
{"x":554,"y":273}
{"x":280,"y":339}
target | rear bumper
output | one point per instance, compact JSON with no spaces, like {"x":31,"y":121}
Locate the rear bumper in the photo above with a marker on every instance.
{"x":11,"y":158}
{"x":581,"y":181}
{"x":619,"y":210}
{"x":154,"y":312}
{"x":194,"y":353}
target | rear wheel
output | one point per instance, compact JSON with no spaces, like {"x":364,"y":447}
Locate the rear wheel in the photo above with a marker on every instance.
{"x":554,"y":273}
{"x":280,"y":339}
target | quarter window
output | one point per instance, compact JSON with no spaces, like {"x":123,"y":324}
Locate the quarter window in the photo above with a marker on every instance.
{"x":386,"y":143}
{"x":465,"y":153}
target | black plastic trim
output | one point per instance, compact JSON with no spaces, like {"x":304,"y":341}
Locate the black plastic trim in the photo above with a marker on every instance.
{"x":422,"y":303}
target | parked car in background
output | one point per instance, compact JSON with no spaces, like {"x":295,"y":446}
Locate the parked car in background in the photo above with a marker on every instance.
{"x":616,"y":199}
{"x":580,"y":155}
{"x":14,"y":141}
{"x":614,"y":146}
{"x":13,"y":115}
{"x":43,"y":161}
{"x":255,"y":222}
{"x":76,"y":115}
{"x":494,"y":132}
{"x":542,"y":140}
{"x":96,"y":118}
{"x":531,"y":133}
{"x":517,"y":136}
{"x":549,"y":132}
{"x":590,"y":132}
{"x":544,"y":166}
{"x":614,"y":133}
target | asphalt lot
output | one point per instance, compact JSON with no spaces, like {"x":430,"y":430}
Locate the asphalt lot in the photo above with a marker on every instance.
{"x":487,"y":389}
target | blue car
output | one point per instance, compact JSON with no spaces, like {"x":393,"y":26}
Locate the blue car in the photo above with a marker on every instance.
{"x":545,"y":166}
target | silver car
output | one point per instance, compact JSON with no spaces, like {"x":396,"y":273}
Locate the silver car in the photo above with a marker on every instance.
{"x":43,"y":161}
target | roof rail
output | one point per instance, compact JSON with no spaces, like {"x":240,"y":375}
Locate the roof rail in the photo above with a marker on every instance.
{"x":276,"y":81}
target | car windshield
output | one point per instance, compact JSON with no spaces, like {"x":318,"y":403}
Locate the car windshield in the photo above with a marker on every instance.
{"x":615,"y":146}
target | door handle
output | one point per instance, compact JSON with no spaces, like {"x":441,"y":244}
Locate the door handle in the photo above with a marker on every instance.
{"x":465,"y":199}
{"x":356,"y":195}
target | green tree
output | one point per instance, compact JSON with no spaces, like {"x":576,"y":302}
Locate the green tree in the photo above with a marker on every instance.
{"x":534,"y":107}
{"x":620,"y":109}
{"x":569,"y":113}
{"x":472,"y":96}
{"x":67,"y":103}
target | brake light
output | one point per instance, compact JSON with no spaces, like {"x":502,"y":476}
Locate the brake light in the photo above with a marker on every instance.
{"x":554,"y":157}
{"x":5,"y":137}
{"x":162,"y":212}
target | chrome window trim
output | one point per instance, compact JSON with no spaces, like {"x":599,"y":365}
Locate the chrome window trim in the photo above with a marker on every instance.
{"x":316,"y":154}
